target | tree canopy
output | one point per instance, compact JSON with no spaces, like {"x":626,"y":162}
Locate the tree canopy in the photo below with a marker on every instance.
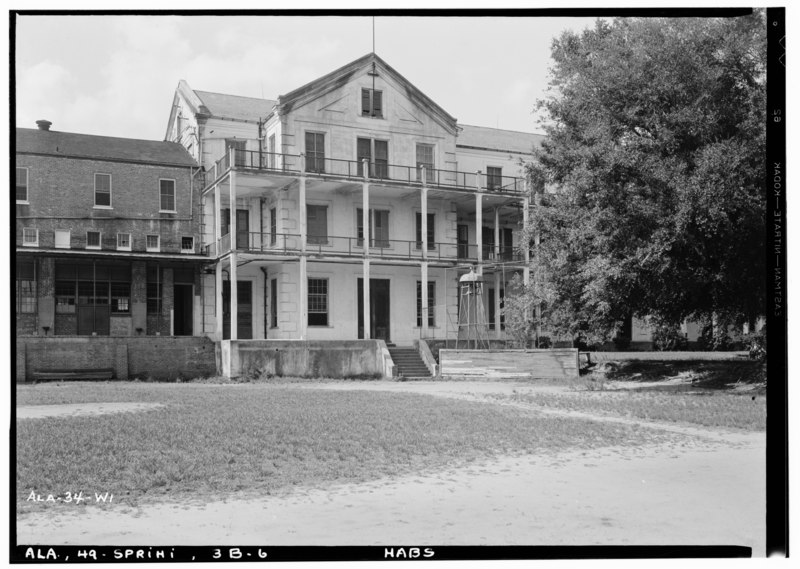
{"x":654,"y":162}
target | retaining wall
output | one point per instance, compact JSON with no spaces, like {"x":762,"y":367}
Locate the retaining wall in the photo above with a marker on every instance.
{"x":499,"y":364}
{"x":159,"y":357}
{"x":667,"y":356}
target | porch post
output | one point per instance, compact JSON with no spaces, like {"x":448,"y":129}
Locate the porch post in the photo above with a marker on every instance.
{"x":301,"y":205}
{"x":302,"y":304}
{"x":479,"y":221}
{"x":526,"y":272}
{"x":425,"y":300}
{"x":232,"y":229}
{"x":234,"y":297}
{"x":217,"y":218}
{"x":366,"y":232}
{"x":424,"y":216}
{"x":497,"y":284}
{"x":218,"y":300}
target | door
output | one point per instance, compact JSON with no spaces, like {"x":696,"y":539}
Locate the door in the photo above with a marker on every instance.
{"x":463,"y":241}
{"x":379,"y":321}
{"x":183,"y":315}
{"x":93,"y":309}
{"x":488,"y":242}
{"x":244,"y":314}
{"x":242,"y":227}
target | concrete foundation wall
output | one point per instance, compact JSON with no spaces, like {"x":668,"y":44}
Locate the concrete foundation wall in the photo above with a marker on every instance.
{"x":295,"y":358}
{"x":497,"y":364}
{"x":139,"y":357}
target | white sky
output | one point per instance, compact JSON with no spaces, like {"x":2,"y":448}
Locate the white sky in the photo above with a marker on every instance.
{"x":115,"y":75}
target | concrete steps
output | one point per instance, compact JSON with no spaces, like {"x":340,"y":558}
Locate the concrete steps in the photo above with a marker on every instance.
{"x":408,"y":363}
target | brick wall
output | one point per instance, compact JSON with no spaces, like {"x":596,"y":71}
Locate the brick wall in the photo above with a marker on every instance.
{"x":137,"y":357}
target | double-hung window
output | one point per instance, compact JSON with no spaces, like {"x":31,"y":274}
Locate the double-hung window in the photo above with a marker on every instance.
{"x":102,"y":190}
{"x":378,"y":227}
{"x":187,"y":244}
{"x":273,"y":303}
{"x":239,"y":150}
{"x":317,"y":224}
{"x":494,"y":178}
{"x":425,"y":158}
{"x":22,"y":185}
{"x":92,"y":239}
{"x":30,"y":237}
{"x":376,"y":152}
{"x":317,"y":302}
{"x":167,"y":195}
{"x":273,"y":226}
{"x":431,"y":231}
{"x":123,"y":241}
{"x":431,"y":303}
{"x":372,"y":103}
{"x":315,"y":152}
{"x":26,"y":286}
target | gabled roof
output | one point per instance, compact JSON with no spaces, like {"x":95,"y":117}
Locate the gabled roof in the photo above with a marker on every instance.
{"x":54,"y":143}
{"x":341,"y":76}
{"x":482,"y":137}
{"x":235,"y":107}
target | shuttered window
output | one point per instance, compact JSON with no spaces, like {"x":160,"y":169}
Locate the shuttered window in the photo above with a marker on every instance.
{"x":372,"y":103}
{"x":317,"y":224}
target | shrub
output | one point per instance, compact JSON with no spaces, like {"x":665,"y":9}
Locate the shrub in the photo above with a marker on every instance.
{"x":544,"y":342}
{"x":669,"y":338}
{"x":622,"y":342}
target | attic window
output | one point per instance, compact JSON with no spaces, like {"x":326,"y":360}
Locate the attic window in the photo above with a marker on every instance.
{"x":371,"y":103}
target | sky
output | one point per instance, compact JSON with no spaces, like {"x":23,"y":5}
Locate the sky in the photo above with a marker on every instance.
{"x":116,"y":75}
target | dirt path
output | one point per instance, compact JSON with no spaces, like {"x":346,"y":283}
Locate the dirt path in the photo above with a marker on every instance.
{"x":704,"y":487}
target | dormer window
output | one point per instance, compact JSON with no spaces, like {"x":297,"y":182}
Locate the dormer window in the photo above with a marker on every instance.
{"x":372,"y":103}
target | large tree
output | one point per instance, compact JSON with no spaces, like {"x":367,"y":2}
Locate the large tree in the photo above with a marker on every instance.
{"x":654,"y":156}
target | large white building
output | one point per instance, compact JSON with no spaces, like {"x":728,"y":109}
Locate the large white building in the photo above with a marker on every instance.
{"x":348,"y":208}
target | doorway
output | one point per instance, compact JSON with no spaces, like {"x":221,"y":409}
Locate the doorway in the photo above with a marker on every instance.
{"x":379,"y":326}
{"x":183,"y":315}
{"x":244,"y":314}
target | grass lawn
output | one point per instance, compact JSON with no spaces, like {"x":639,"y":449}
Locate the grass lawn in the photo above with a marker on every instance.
{"x":213,"y":440}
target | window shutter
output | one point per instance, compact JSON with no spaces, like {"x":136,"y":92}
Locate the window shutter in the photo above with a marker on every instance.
{"x":365,"y":110}
{"x":377,"y":104}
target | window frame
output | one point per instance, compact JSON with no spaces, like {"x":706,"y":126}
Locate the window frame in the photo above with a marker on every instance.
{"x":431,"y":230}
{"x":161,"y":208}
{"x":25,"y":241}
{"x":121,"y":247}
{"x":68,"y":233}
{"x":273,"y":303}
{"x":431,"y":307}
{"x":317,"y":239}
{"x":315,"y":159}
{"x":373,"y":241}
{"x":273,"y":225}
{"x":430,"y":167}
{"x":110,"y":204}
{"x":148,"y":248}
{"x":115,"y":294}
{"x":370,"y":101}
{"x":325,"y":295}
{"x":185,"y":250}
{"x":99,"y":239}
{"x":494,"y":180}
{"x":27,"y":185}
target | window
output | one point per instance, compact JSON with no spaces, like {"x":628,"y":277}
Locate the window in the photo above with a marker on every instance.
{"x":372,"y":103}
{"x":271,"y":151}
{"x":273,"y":226}
{"x":102,"y":190}
{"x":65,"y":297}
{"x":26,"y":286}
{"x":153,"y":243}
{"x":317,"y":224}
{"x":22,"y":185}
{"x":154,"y":282}
{"x":494,"y":178}
{"x":167,"y":195}
{"x":379,"y":227}
{"x":187,"y":244}
{"x":315,"y":152}
{"x":431,"y":231}
{"x":240,"y":150}
{"x":431,"y":303}
{"x":62,"y":238}
{"x":123,"y":241}
{"x":425,"y":158}
{"x":273,"y":303}
{"x":30,"y":237}
{"x":317,"y":302}
{"x":376,"y":152}
{"x":121,"y":298}
{"x":92,"y":239}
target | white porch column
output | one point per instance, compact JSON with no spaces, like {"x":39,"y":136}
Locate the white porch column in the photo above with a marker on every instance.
{"x":497,"y":235}
{"x":301,"y":205}
{"x":497,"y":285}
{"x":234,"y":297}
{"x":424,"y":216}
{"x":218,"y":309}
{"x":425,"y":300}
{"x":367,"y":236}
{"x":302,"y":301}
{"x":526,"y":272}
{"x":479,"y":224}
{"x":232,"y":229}
{"x":217,"y":217}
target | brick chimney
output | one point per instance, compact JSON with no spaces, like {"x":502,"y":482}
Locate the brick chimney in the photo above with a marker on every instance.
{"x":43,"y":124}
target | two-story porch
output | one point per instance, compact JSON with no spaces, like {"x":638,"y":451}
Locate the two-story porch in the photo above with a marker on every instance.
{"x":324,"y":248}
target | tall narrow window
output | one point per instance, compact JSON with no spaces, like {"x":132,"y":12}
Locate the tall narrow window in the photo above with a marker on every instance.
{"x":273,"y":226}
{"x":379,"y":227}
{"x":271,"y":157}
{"x":315,"y":152}
{"x":167,"y":195}
{"x":490,"y":308}
{"x":102,"y":190}
{"x":431,"y":231}
{"x":317,"y":302}
{"x":26,"y":286}
{"x":273,"y":303}
{"x":376,"y":152}
{"x":431,"y":303}
{"x":22,"y":184}
{"x":154,"y":282}
{"x":372,"y":103}
{"x":317,"y":224}
{"x":425,"y":158}
{"x":239,"y":151}
{"x":494,"y":178}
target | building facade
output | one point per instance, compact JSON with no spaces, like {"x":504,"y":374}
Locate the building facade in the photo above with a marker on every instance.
{"x":349,"y":208}
{"x":107,"y":238}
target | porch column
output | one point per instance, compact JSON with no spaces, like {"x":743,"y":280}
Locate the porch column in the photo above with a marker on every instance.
{"x":423,"y":328}
{"x":301,"y":205}
{"x":218,"y":300}
{"x":232,"y":188}
{"x":526,"y":250}
{"x":365,"y":223}
{"x":496,"y":234}
{"x":425,"y":300}
{"x":302,"y":301}
{"x":234,"y":296}
{"x":479,"y":221}
{"x":217,"y":218}
{"x":497,"y":284}
{"x":424,"y":216}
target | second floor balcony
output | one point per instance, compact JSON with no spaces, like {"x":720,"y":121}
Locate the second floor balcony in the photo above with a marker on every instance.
{"x":372,"y":170}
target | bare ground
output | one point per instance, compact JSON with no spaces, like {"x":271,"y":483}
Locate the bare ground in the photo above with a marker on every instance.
{"x":706,"y":486}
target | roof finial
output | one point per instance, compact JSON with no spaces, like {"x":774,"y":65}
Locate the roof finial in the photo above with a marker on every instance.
{"x":373,"y":34}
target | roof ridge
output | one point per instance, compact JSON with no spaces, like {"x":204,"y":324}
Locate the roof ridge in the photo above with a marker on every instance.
{"x":98,"y":135}
{"x":502,"y":129}
{"x":231,"y":95}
